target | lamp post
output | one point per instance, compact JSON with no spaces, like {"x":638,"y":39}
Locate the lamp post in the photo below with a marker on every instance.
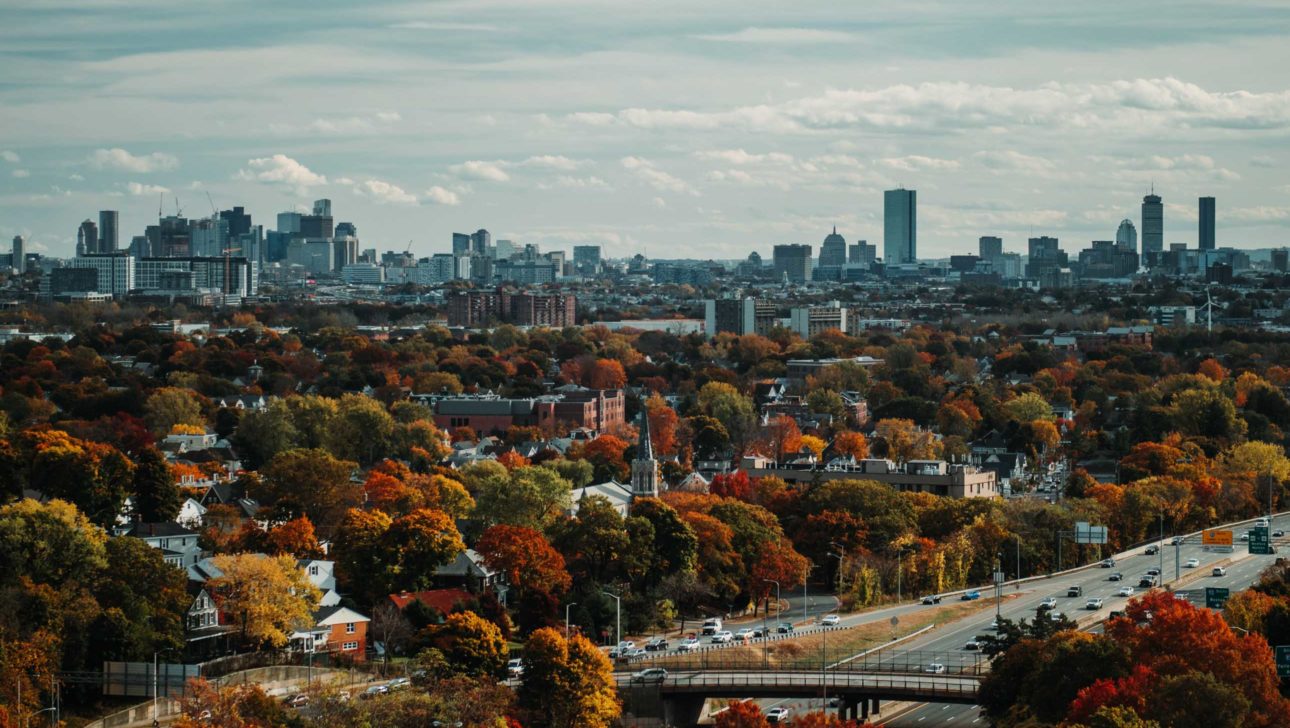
{"x":1161,"y":551}
{"x":27,"y":720}
{"x":567,"y":607}
{"x":618,"y":621}
{"x":156,"y":716}
{"x":841,"y":557}
{"x":766,"y":632}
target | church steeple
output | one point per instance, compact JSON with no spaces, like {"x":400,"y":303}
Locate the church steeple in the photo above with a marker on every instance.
{"x":645,"y":477}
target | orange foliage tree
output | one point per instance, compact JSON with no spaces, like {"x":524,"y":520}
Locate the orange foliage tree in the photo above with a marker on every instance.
{"x":853,"y":444}
{"x":525,"y":557}
{"x":295,"y":537}
{"x":662,"y":425}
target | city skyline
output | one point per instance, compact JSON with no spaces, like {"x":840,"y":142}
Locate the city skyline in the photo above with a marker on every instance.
{"x":549,"y":126}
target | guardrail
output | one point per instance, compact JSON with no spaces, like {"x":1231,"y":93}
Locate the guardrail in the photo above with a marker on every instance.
{"x":924,"y":688}
{"x":952,"y":662}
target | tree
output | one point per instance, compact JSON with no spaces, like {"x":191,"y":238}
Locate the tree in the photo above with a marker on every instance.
{"x":1207,"y":413}
{"x":472,"y":645}
{"x":532,"y":496}
{"x":265,"y":433}
{"x":362,"y":429}
{"x":905,"y":441}
{"x":142,"y":601}
{"x":156,"y":494}
{"x":93,"y":476}
{"x":662,"y":425}
{"x":780,"y":438}
{"x":675,"y":544}
{"x":49,"y":543}
{"x":293,"y":538}
{"x":1211,"y":369}
{"x":828,"y":402}
{"x":311,"y":483}
{"x":361,"y":559}
{"x":710,"y":437}
{"x":741,"y":714}
{"x":733,"y":410}
{"x":605,"y":453}
{"x":167,"y":407}
{"x":567,"y":683}
{"x":1028,"y":407}
{"x":525,"y":558}
{"x":815,"y":444}
{"x":268,"y":596}
{"x":606,"y":374}
{"x":418,"y":544}
{"x":851,"y":444}
{"x":206,"y":705}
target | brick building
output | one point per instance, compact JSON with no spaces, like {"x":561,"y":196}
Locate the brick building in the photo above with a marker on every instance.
{"x":480,"y":308}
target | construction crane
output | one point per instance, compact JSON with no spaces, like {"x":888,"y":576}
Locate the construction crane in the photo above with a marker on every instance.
{"x":214,"y":212}
{"x":408,"y":249}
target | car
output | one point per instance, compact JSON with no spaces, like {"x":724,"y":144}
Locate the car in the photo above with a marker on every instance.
{"x":1117,"y":613}
{"x":626,"y":645}
{"x":650,"y":675}
{"x":1262,"y":523}
{"x":784,"y":627}
{"x":1094,"y":603}
{"x":658,"y":644}
{"x":1147,"y":581}
{"x":1108,"y":563}
{"x":1117,"y":576}
{"x":1075,"y":590}
{"x":723,"y":637}
{"x":994,"y":625}
{"x":1125,"y":591}
{"x":1245,"y":536}
{"x":1055,"y":615}
{"x":932,"y":599}
{"x":374,"y":690}
{"x":1048,"y":603}
{"x":759,"y":632}
{"x":515,"y":667}
{"x":1218,"y":571}
{"x":778,"y":715}
{"x":1278,"y":533}
{"x":830,"y":620}
{"x":711,"y":625}
{"x":689,"y":644}
{"x":745,"y":634}
{"x":970,"y":595}
{"x":634,"y":653}
{"x":1153,"y":571}
{"x":1178,"y":541}
{"x":1152,"y":550}
{"x":399,"y":683}
{"x":972,"y":646}
{"x":935,"y":668}
{"x":1192,"y":563}
{"x":296,"y":701}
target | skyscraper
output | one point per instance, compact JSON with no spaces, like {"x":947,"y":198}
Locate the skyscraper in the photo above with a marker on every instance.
{"x":1153,"y":227}
{"x":1207,"y":223}
{"x":87,"y":238}
{"x":793,"y":262}
{"x":1127,"y":235}
{"x":108,"y":231}
{"x":239,"y":223}
{"x":460,"y":244}
{"x":989,"y":247}
{"x":900,"y":226}
{"x":833,"y":255}
{"x":19,"y":254}
{"x":479,"y":242}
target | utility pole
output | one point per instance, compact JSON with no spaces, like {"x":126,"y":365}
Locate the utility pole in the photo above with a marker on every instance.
{"x":618,"y":607}
{"x":1161,"y":550}
{"x":567,"y":607}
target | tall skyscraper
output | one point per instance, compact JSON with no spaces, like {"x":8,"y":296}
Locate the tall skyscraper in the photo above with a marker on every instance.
{"x":479,"y":242}
{"x":239,"y":223}
{"x":289,"y":222}
{"x":1207,"y":223}
{"x":460,"y":244}
{"x":322,"y":208}
{"x":1127,"y":235}
{"x":19,"y":254}
{"x":87,"y":238}
{"x":793,"y":262}
{"x":989,"y":247}
{"x":900,"y":226}
{"x":108,"y":231}
{"x":1153,"y":227}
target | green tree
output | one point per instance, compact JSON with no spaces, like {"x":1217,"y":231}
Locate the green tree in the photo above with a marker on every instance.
{"x":471,"y":644}
{"x":49,"y":543}
{"x":732,"y":409}
{"x":263,"y":434}
{"x":93,"y":476}
{"x":143,"y":601}
{"x":361,"y":559}
{"x":362,"y":429}
{"x":156,"y":495}
{"x":170,"y":406}
{"x":311,"y":483}
{"x":531,"y":496}
{"x":1028,"y":407}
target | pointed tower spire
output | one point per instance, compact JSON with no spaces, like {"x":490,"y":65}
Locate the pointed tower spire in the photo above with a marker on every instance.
{"x":644,"y":448}
{"x":645,"y":475}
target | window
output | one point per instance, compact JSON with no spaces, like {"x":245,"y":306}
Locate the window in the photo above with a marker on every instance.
{"x":350,"y":646}
{"x":313,"y":570}
{"x":349,"y":628}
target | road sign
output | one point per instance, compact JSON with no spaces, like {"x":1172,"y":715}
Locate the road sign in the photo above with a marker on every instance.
{"x":1283,"y":660}
{"x":1259,"y":541}
{"x":1084,"y":533}
{"x":998,"y":577}
{"x":1216,"y":597}
{"x":1216,"y":537}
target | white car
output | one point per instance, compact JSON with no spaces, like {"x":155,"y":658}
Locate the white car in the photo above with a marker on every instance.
{"x":651,"y":675}
{"x":1125,"y":591}
{"x":1218,"y":571}
{"x":972,"y":646}
{"x":689,"y":644}
{"x":1093,"y":603}
{"x":1048,"y":603}
{"x":778,"y":715}
{"x":934,"y":667}
{"x":830,"y":620}
{"x":1192,"y":563}
{"x":723,"y":637}
{"x":745,"y":634}
{"x":515,"y":667}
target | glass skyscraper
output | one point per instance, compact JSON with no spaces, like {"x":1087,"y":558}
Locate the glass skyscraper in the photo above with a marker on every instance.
{"x":900,"y":226}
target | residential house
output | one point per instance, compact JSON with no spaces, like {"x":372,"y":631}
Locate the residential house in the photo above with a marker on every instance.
{"x":469,"y":572}
{"x":178,"y":544}
{"x":618,"y":495}
{"x":338,"y":630}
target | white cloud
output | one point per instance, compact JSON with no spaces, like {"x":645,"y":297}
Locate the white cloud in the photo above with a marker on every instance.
{"x":384,"y":192}
{"x":1008,"y":160}
{"x":10,"y":156}
{"x":782,"y":35}
{"x":456,"y":27}
{"x":117,"y":158}
{"x":656,"y":178}
{"x":1261,"y":214}
{"x":138,"y":189}
{"x":477,"y":169}
{"x":919,"y":163}
{"x":591,"y":182}
{"x":549,"y":161}
{"x":75,"y":177}
{"x":340,"y":125}
{"x":20,"y":173}
{"x":439,"y":196}
{"x":739,"y":156}
{"x":281,"y":169}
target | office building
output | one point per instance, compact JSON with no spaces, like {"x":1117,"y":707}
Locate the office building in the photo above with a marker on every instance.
{"x":792,"y":263}
{"x":109,"y":230}
{"x":862,"y":253}
{"x":239,"y":223}
{"x":1107,"y":259}
{"x":1206,"y":232}
{"x":1045,"y":256}
{"x":322,"y":208}
{"x":739,"y":316}
{"x":833,"y":255}
{"x":586,"y":258}
{"x":524,"y":272}
{"x":900,"y":227}
{"x":207,"y":237}
{"x":1153,"y":228}
{"x":461,"y":244}
{"x":503,"y":250}
{"x":811,"y":321}
{"x":19,"y":254}
{"x":115,"y":271}
{"x":1126,"y":236}
{"x":1280,"y":259}
{"x":289,"y":222}
{"x":989,"y":247}
{"x":480,"y":240}
{"x":87,"y":238}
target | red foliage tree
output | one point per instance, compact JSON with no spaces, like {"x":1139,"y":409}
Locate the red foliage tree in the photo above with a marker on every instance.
{"x":525,"y":557}
{"x":732,"y":485}
{"x":295,"y":537}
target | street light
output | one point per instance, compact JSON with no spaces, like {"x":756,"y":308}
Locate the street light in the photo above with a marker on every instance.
{"x":841,"y":557}
{"x":26,"y":721}
{"x":618,"y":608}
{"x":765,"y":630}
{"x":567,"y":607}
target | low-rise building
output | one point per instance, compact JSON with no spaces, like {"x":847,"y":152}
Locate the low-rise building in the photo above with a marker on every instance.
{"x":951,"y":480}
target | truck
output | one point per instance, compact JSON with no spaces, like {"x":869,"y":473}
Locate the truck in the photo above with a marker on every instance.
{"x":711,"y":625}
{"x":1075,"y":590}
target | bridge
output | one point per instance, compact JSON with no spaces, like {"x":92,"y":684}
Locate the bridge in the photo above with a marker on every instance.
{"x":859,"y":684}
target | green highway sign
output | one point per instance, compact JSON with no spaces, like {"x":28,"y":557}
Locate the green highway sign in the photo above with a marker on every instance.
{"x":1283,"y":660}
{"x":1259,"y":541}
{"x":1216,"y":596}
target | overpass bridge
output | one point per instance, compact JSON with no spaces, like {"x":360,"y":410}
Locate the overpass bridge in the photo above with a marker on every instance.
{"x":859,"y":684}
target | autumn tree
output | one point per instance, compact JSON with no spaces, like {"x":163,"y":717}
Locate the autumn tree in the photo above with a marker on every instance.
{"x":741,"y":714}
{"x":472,"y":645}
{"x":531,"y":496}
{"x":1028,"y":407}
{"x":904,"y":441}
{"x":852,"y":444}
{"x":167,"y":407}
{"x":312,"y":483}
{"x":418,"y":544}
{"x":208,"y":705}
{"x":156,"y":496}
{"x":268,"y":597}
{"x":567,"y":683}
{"x":663,"y":424}
{"x":605,"y":453}
{"x":293,"y":538}
{"x":606,"y":374}
{"x":362,"y":429}
{"x":93,"y":476}
{"x":525,"y":558}
{"x":361,"y":558}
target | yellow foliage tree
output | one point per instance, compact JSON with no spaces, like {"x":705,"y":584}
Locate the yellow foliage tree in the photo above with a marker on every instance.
{"x":268,"y":596}
{"x":567,"y":683}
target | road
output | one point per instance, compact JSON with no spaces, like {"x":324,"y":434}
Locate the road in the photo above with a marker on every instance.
{"x":1243,"y":572}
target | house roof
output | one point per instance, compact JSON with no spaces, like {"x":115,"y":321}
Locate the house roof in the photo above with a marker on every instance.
{"x":165,"y":529}
{"x":467,"y":563}
{"x":441,"y":599}
{"x":328,"y":616}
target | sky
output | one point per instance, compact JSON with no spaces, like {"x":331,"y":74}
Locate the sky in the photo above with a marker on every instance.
{"x":674,"y":129}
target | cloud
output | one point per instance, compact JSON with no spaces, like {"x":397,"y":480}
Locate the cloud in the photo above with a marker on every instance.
{"x":477,"y":169}
{"x":1265,"y":161}
{"x":457,"y":27}
{"x":919,"y":163}
{"x":139,"y":189}
{"x":340,"y":125}
{"x":281,"y":169}
{"x":117,"y":158}
{"x":1008,"y":160}
{"x":782,"y":35}
{"x":739,"y":156}
{"x":439,"y":196}
{"x":1261,"y":214}
{"x":656,"y":178}
{"x":549,"y":161}
{"x":10,"y":156}
{"x":75,"y":177}
{"x":585,"y":183}
{"x":20,"y":173}
{"x":383,"y":192}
